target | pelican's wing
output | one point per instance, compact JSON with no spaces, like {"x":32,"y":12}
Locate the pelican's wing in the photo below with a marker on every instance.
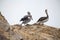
{"x":42,"y":18}
{"x":24,"y":18}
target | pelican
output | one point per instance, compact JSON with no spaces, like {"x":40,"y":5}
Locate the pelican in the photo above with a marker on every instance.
{"x":42,"y":20}
{"x":27,"y":18}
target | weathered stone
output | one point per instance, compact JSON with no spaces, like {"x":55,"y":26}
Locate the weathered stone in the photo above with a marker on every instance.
{"x":3,"y":23}
{"x":28,"y":32}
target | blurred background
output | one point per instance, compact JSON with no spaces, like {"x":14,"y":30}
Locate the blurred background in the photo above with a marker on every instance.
{"x":14,"y":10}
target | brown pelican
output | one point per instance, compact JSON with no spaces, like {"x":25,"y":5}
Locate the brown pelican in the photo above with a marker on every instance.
{"x":42,"y":20}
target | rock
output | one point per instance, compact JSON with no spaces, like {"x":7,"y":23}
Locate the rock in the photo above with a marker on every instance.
{"x":3,"y":23}
{"x":3,"y":37}
{"x":28,"y":32}
{"x":38,"y":32}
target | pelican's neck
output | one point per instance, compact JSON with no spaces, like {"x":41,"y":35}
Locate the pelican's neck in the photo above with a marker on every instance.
{"x":47,"y":14}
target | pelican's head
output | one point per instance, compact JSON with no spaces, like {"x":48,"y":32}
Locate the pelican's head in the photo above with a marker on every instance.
{"x":30,"y":16}
{"x":28,"y":13}
{"x":45,"y":10}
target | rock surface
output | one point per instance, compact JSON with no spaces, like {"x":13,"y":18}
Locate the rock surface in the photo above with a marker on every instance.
{"x":3,"y":23}
{"x":28,"y":32}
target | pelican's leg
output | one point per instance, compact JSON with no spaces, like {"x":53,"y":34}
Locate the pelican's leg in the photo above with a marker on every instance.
{"x":41,"y":23}
{"x":21,"y":24}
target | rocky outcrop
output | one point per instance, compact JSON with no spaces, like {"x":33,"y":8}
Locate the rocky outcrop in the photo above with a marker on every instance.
{"x":3,"y":23}
{"x":28,"y":32}
{"x":36,"y":32}
{"x":4,"y":27}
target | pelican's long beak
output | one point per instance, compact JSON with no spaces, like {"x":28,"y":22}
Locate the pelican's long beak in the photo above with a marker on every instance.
{"x":32,"y":18}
